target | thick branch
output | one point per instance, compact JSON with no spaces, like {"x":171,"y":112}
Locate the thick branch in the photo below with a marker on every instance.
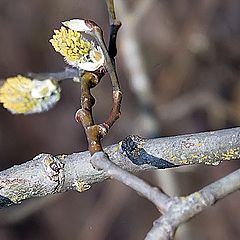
{"x":45,"y":174}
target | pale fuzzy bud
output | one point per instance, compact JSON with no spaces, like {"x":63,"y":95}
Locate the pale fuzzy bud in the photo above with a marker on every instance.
{"x":43,"y":88}
{"x":21,"y":95}
{"x":97,"y":60}
{"x":77,"y":51}
{"x":77,"y":25}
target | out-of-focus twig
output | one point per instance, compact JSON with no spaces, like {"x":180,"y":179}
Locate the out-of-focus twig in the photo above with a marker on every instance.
{"x":139,"y":82}
{"x":175,"y":110}
{"x":140,"y":9}
{"x":115,"y":197}
{"x":17,"y":214}
{"x":68,"y":73}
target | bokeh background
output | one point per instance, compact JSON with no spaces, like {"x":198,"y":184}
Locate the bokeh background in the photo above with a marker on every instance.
{"x":188,"y":81}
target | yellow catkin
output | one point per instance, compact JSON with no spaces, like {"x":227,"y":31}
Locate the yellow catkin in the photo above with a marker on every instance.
{"x":15,"y":94}
{"x":70,"y":44}
{"x":22,"y":95}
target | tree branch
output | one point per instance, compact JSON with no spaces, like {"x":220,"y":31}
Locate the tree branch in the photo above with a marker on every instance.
{"x":89,"y":80}
{"x":153,"y":194}
{"x":46,"y":174}
{"x":184,"y":208}
{"x":93,"y":132}
{"x":114,"y":27}
{"x":68,"y":73}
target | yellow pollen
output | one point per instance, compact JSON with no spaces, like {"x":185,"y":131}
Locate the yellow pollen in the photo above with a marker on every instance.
{"x":70,"y":44}
{"x":15,"y":95}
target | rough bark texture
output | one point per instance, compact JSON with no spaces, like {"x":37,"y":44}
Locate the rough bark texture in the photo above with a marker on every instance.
{"x":46,"y":174}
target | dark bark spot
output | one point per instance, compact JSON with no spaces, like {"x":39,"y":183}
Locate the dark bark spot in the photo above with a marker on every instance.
{"x":5,"y":202}
{"x":132,"y":147}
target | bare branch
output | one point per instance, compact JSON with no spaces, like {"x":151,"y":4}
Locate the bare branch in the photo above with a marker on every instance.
{"x":184,"y":208}
{"x":111,"y":11}
{"x":68,"y":73}
{"x":93,"y":132}
{"x":97,"y":33}
{"x":89,"y":80}
{"x":153,"y":194}
{"x":209,"y":148}
{"x":114,"y":27}
{"x":46,"y":174}
{"x":84,"y":115}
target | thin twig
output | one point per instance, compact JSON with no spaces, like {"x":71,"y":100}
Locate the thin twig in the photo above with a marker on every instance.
{"x":115,"y":112}
{"x":97,"y":33}
{"x":68,"y":73}
{"x":114,"y":27}
{"x":101,"y":161}
{"x":93,"y":132}
{"x":84,"y":115}
{"x":184,"y":208}
{"x":111,"y":11}
{"x":109,"y":64}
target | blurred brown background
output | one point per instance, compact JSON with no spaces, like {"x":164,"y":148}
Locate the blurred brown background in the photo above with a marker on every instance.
{"x":191,"y":56}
